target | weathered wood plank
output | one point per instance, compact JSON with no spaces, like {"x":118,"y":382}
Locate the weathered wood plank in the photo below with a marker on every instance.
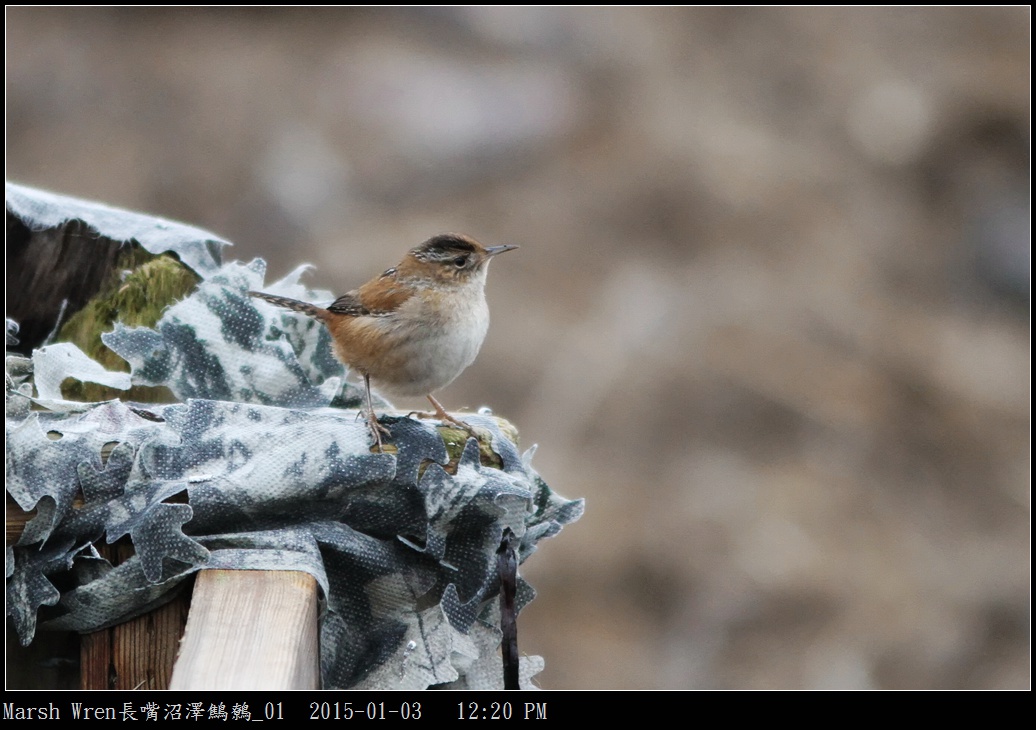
{"x":250,"y":629}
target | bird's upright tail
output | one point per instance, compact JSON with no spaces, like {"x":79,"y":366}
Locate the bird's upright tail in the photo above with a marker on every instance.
{"x":294,"y":304}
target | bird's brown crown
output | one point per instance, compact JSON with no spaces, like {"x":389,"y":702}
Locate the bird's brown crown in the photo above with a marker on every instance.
{"x":447,"y":258}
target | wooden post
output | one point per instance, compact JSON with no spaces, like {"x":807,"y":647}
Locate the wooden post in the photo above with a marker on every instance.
{"x":136,"y":654}
{"x":250,"y":629}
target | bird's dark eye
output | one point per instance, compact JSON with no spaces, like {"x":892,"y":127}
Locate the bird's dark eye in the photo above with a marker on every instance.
{"x":460,"y":261}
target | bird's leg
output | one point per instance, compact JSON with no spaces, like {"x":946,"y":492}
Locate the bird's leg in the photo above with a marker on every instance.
{"x":442,"y":415}
{"x":372,"y":420}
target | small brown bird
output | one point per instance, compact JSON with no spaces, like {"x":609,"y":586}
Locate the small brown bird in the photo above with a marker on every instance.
{"x":416,"y":327}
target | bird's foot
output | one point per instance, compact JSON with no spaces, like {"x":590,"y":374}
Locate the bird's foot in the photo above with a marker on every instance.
{"x":377,"y":430}
{"x":441,"y":414}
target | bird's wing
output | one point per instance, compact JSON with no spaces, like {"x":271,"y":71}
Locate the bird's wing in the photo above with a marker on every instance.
{"x":380,"y":297}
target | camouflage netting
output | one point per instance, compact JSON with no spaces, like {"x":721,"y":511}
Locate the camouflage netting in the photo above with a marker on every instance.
{"x":261,"y":464}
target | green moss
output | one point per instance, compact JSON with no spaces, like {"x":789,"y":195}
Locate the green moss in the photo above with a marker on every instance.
{"x":455,"y":439}
{"x":139,"y":289}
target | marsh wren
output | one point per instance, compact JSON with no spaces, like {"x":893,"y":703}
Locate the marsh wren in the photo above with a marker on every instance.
{"x":415,"y":328}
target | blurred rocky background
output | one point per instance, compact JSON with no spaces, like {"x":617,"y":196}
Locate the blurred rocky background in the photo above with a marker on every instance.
{"x":770,"y":315}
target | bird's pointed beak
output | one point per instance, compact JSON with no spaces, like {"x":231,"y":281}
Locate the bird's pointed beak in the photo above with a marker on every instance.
{"x":494,"y":250}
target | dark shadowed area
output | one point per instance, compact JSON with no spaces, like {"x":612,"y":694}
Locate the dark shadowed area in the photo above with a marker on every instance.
{"x":770,"y":315}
